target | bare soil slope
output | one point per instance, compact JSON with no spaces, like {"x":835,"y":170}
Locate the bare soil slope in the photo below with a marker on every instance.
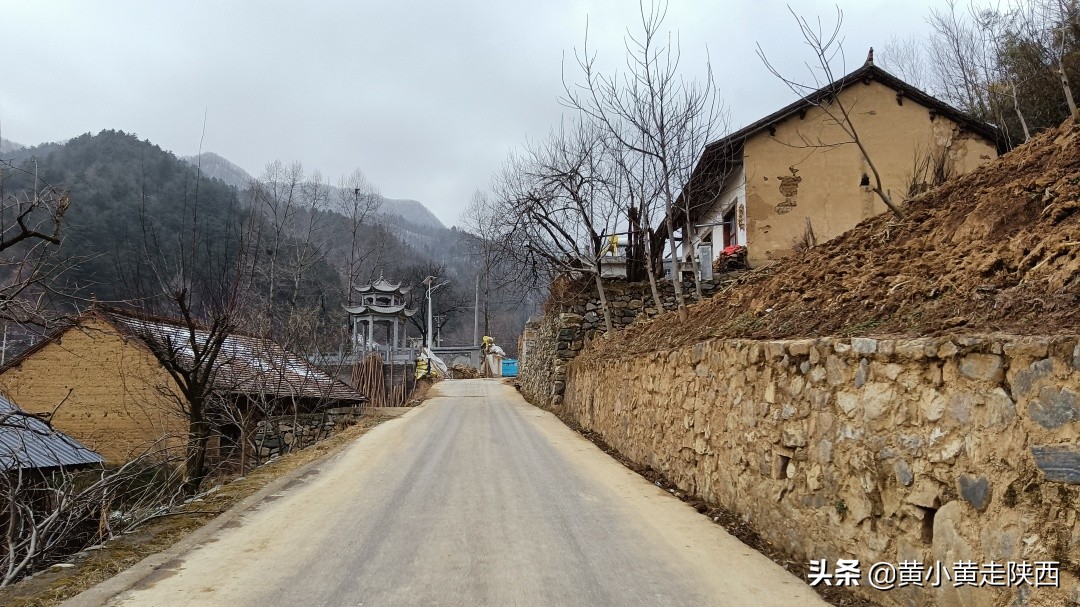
{"x":997,"y":250}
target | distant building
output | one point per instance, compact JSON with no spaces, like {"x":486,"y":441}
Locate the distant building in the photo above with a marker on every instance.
{"x":763,"y":185}
{"x":379,"y":323}
{"x":111,"y":393}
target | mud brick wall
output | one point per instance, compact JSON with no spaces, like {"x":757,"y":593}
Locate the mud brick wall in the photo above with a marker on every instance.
{"x":962,"y":448}
{"x":107,"y":392}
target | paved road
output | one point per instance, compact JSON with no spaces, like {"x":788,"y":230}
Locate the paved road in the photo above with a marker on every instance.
{"x":476,"y":498}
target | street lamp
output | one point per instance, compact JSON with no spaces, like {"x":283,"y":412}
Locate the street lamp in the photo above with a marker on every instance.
{"x":431,"y":286}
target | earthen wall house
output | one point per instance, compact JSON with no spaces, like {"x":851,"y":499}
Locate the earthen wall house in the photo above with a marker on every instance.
{"x":110,"y":392}
{"x":763,"y":185}
{"x":107,"y":389}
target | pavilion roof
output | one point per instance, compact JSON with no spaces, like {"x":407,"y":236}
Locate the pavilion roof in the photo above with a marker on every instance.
{"x":382,"y":286}
{"x":398,"y":310}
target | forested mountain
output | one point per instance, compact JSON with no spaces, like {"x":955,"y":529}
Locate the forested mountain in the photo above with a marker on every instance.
{"x":410,"y":213}
{"x":6,"y":145}
{"x":137,"y":212}
{"x":216,"y":167}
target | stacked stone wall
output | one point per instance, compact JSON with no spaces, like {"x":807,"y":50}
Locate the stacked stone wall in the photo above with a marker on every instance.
{"x":556,"y":338}
{"x":627,"y":302}
{"x":542,"y":375}
{"x":944,"y":449}
{"x":274,"y":437}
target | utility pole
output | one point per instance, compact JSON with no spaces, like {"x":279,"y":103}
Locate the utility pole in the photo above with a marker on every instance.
{"x":476,"y":315}
{"x":431,"y":286}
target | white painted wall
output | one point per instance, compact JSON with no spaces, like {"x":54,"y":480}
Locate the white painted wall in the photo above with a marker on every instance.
{"x":732,"y":193}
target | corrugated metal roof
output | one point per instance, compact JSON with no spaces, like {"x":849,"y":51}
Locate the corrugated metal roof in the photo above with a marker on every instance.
{"x":28,"y":442}
{"x":246,"y":365}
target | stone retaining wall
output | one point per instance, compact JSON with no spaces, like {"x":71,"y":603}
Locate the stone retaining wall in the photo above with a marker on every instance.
{"x":950,"y":449}
{"x":627,"y":301}
{"x":274,"y":437}
{"x":542,"y":376}
{"x":556,"y":338}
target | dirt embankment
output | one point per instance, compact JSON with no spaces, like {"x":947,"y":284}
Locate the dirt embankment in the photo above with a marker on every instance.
{"x":997,"y":250}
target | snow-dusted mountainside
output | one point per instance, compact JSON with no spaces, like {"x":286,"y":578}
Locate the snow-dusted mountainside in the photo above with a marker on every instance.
{"x":395,"y":209}
{"x":216,"y":167}
{"x":412,"y":211}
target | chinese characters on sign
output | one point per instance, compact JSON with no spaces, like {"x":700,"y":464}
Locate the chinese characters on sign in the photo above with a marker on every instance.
{"x":886,"y":576}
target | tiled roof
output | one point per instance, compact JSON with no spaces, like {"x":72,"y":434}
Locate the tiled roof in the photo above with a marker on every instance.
{"x":371,"y":308}
{"x":28,"y":442}
{"x":383,"y":286}
{"x":246,"y":364}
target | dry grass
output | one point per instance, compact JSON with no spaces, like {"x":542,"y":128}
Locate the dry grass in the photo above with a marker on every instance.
{"x":54,"y":586}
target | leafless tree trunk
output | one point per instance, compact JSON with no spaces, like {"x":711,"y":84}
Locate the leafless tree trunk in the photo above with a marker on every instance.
{"x":278,"y":195}
{"x":559,"y":201}
{"x":204,"y":289}
{"x":49,"y":513}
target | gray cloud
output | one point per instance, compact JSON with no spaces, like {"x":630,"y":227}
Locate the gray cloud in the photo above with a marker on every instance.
{"x":427,"y":98}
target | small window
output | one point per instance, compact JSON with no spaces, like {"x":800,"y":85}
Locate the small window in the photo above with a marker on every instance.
{"x":731,"y":236}
{"x":865,"y":181}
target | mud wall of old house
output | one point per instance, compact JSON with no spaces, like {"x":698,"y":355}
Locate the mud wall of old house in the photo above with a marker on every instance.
{"x":107,"y":392}
{"x":790,"y":178}
{"x":881,"y":450}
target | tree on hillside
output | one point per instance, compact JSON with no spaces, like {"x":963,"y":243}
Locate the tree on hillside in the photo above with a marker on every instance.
{"x":502,"y":284}
{"x":359,"y":202}
{"x":1010,"y":64}
{"x":660,"y":119}
{"x":448,"y":302}
{"x":31,"y":221}
{"x":277,"y":194}
{"x":1051,"y":27}
{"x":205,"y":286}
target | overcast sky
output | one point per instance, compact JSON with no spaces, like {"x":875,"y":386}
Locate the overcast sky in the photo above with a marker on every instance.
{"x":427,"y":98}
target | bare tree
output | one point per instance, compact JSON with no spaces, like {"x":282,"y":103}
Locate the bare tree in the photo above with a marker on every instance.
{"x":959,"y":59}
{"x":359,"y":201}
{"x":50,"y":509}
{"x":1003,"y":59}
{"x":500,"y":283}
{"x":825,"y":45}
{"x":559,"y":199}
{"x":658,"y":116}
{"x":31,"y":222}
{"x":907,"y":58}
{"x":1046,"y":23}
{"x":278,"y":195}
{"x":204,"y":286}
